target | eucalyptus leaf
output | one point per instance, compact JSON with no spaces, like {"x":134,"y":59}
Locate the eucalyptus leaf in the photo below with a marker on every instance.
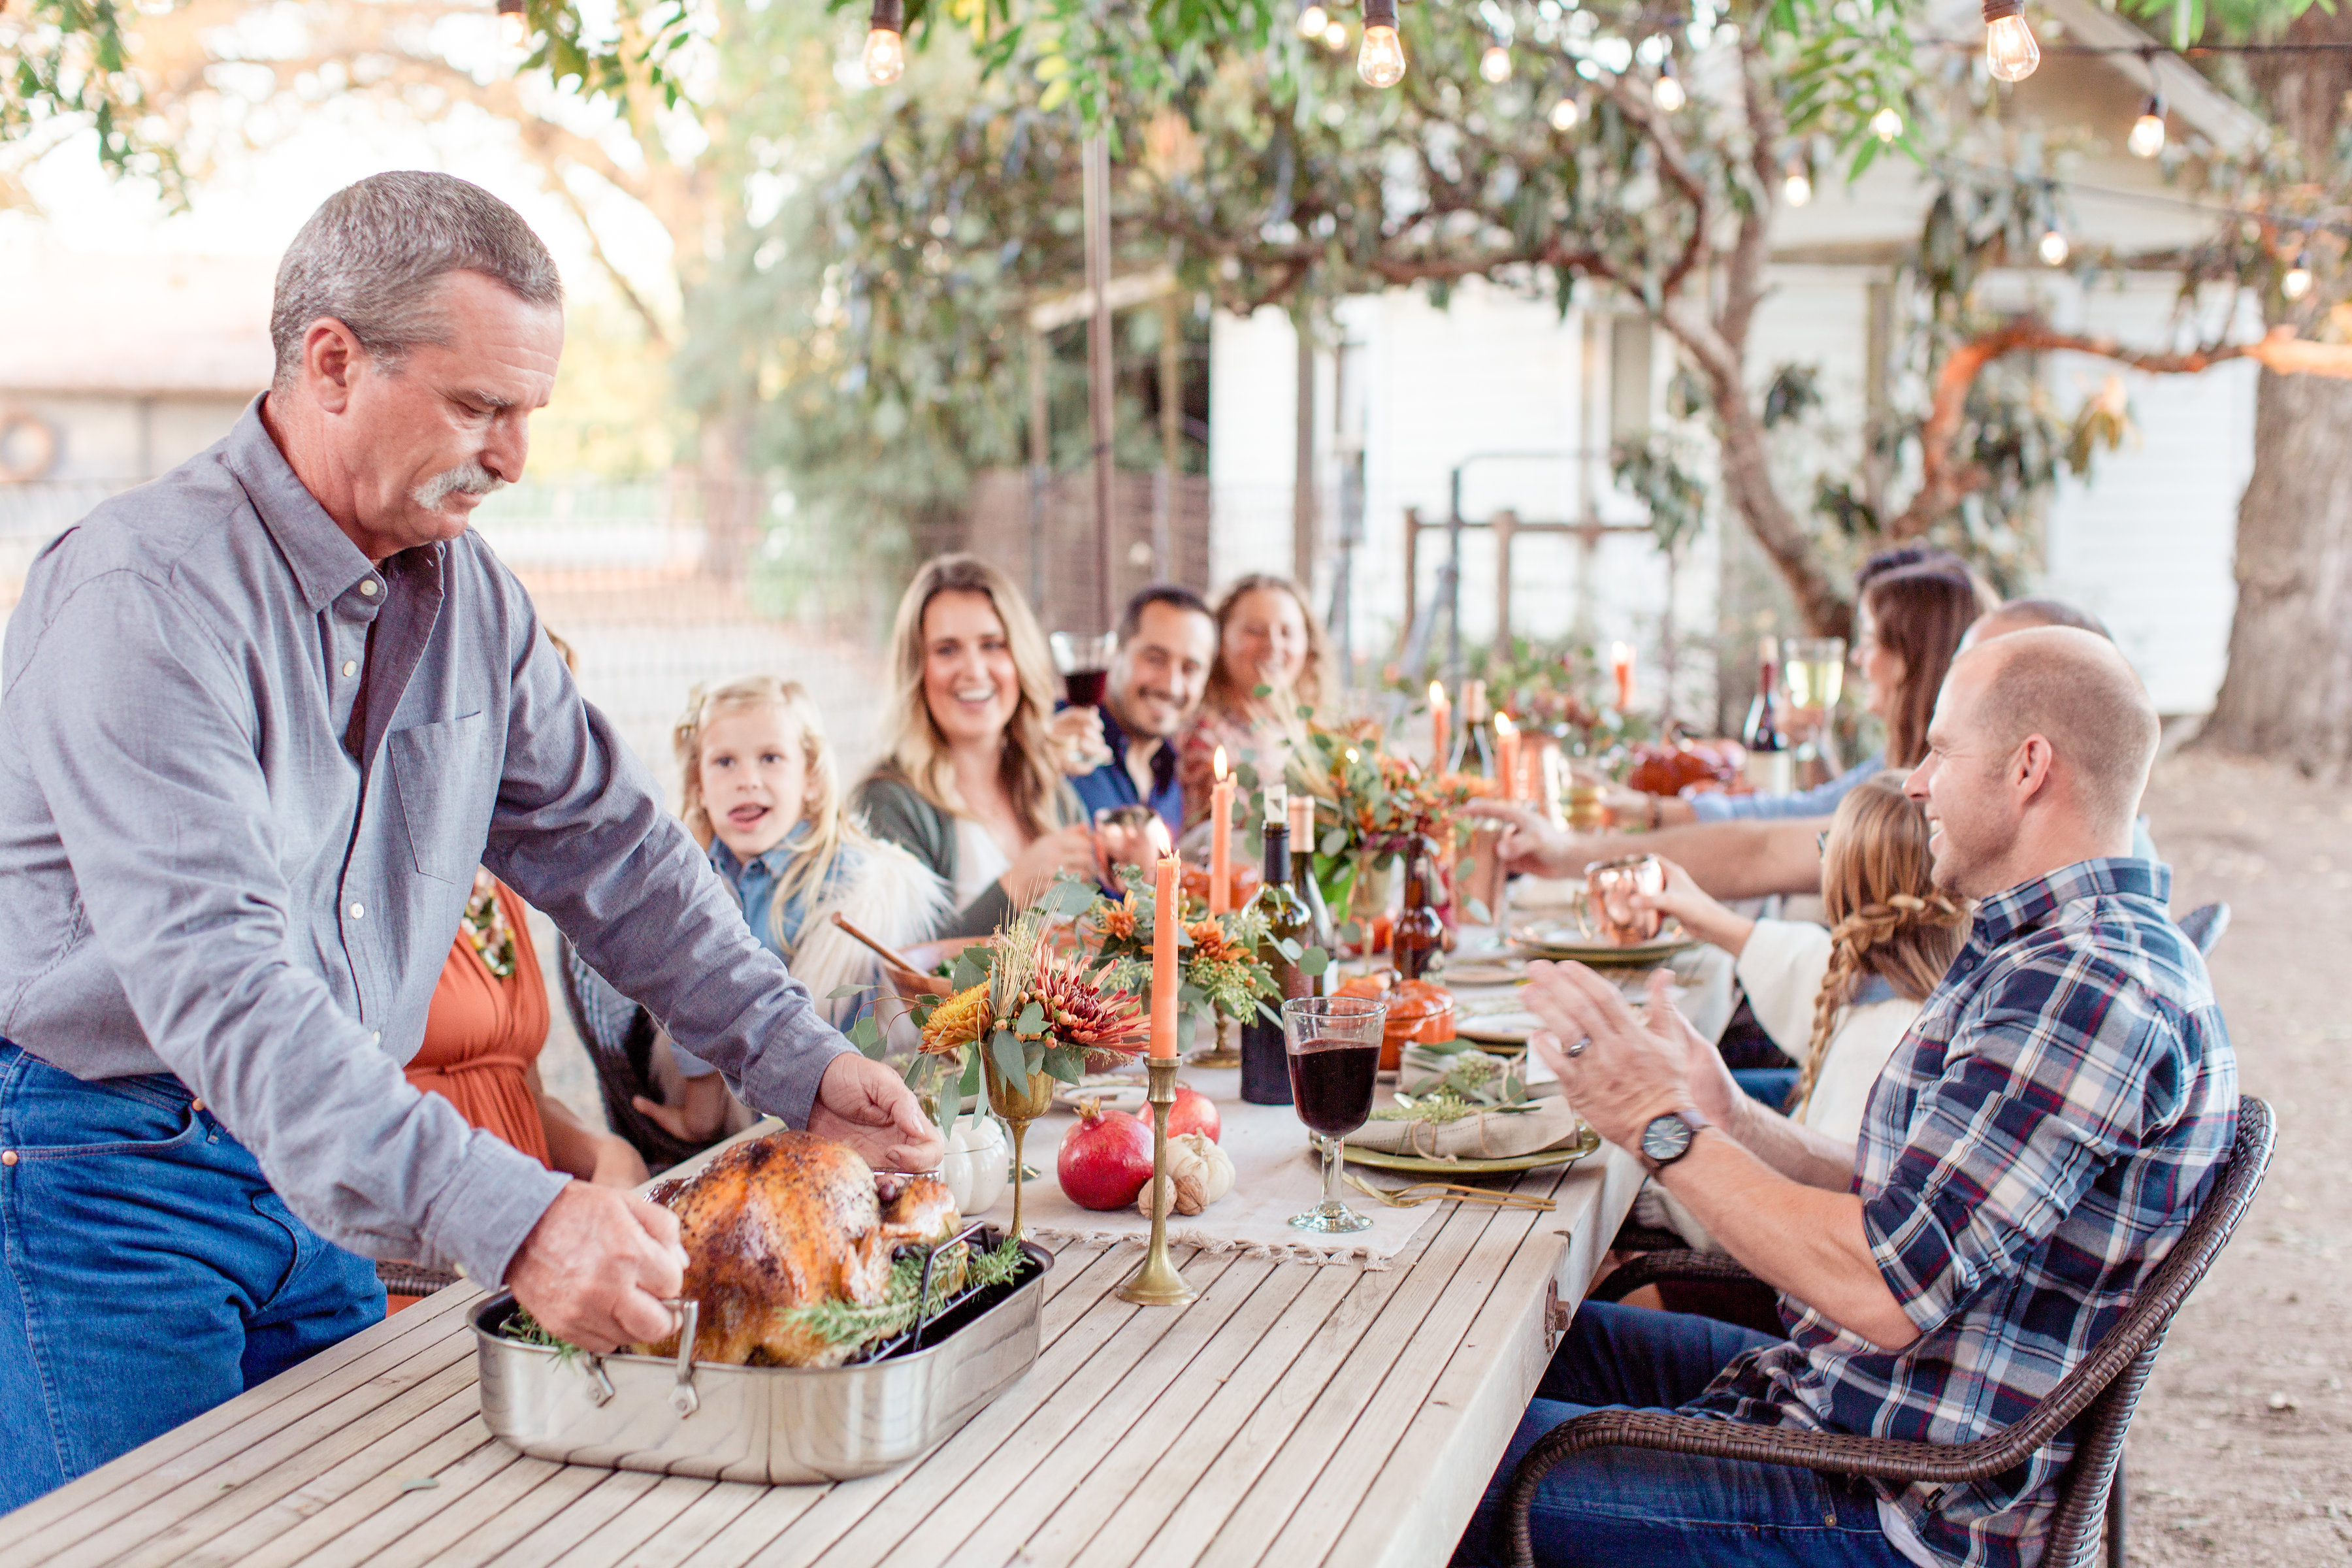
{"x":1313,"y":962}
{"x":1012,"y":1061}
{"x":1032,"y":1022}
{"x":1065,"y":1063}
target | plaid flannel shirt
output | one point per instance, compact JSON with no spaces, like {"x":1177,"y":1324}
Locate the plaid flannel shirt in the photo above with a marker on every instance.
{"x":2039,"y":1141}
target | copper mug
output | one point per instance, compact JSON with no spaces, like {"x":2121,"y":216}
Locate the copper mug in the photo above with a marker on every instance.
{"x":1609,"y":890}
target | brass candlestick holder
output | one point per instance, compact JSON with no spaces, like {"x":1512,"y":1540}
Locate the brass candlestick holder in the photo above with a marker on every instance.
{"x":1156,"y":1283}
{"x":1225,"y":1052}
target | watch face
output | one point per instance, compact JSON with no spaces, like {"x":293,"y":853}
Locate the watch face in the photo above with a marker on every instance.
{"x":1666,"y":1139}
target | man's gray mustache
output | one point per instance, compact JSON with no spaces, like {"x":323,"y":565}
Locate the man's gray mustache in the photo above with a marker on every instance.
{"x":467,"y":479}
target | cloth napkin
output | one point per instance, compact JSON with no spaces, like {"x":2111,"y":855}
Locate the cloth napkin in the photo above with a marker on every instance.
{"x":1545,"y":1123}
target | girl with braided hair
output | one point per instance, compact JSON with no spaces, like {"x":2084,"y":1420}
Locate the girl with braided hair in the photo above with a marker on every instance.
{"x":1838,"y":1000}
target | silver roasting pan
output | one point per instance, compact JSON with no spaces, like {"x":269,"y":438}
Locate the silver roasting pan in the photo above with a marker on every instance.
{"x":680,"y":1417}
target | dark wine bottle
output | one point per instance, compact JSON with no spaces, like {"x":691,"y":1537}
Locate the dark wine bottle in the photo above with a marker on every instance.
{"x":1474,"y":755}
{"x":1266,"y":1067}
{"x":1770,"y":768}
{"x":1418,"y":933}
{"x":1320,"y":933}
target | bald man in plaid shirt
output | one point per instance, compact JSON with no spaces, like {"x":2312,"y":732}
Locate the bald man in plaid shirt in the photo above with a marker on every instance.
{"x":2037,"y":1144}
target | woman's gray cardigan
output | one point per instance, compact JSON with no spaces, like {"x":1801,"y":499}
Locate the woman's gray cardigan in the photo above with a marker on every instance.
{"x":896,"y":811}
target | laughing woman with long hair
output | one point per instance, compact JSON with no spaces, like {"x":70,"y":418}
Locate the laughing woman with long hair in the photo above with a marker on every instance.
{"x":973,"y":783}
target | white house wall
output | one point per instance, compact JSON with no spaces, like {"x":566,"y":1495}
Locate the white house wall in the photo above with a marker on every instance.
{"x":2147,"y":544}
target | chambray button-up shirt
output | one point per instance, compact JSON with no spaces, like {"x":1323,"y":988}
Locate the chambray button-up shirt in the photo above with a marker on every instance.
{"x":221,"y":863}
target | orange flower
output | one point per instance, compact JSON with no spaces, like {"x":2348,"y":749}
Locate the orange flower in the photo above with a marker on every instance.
{"x":1118,"y":919}
{"x":1209,"y":938}
{"x":958,"y":1021}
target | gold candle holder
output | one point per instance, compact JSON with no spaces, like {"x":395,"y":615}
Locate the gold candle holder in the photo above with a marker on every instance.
{"x":1156,"y":1283}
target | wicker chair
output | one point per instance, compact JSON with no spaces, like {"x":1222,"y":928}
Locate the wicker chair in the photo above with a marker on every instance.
{"x":2204,"y":925}
{"x":2099,"y":1393}
{"x":620,"y":1038}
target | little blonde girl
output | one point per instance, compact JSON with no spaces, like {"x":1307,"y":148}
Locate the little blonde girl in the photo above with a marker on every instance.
{"x":762,"y":795}
{"x":1838,"y":1000}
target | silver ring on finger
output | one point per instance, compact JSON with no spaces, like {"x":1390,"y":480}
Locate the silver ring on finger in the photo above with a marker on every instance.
{"x":1577,"y":1048}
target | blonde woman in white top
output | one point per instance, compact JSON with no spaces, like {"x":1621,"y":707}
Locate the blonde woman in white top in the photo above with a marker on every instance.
{"x":1837,"y":999}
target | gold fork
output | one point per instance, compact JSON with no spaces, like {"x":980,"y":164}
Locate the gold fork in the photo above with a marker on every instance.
{"x":1418,"y":1193}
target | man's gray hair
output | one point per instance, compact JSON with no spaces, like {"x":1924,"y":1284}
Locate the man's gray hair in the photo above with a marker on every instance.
{"x":373,"y":252}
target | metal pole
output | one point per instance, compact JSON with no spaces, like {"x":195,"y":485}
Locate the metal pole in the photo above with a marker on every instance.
{"x":1099,"y":366}
{"x":1041,"y":462}
{"x":1171,"y":436}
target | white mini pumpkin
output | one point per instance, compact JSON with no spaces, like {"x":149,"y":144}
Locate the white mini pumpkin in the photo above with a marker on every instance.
{"x":1199,"y":1174}
{"x":976,"y":1165}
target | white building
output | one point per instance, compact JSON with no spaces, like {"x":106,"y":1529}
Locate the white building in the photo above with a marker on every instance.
{"x":2146,"y":543}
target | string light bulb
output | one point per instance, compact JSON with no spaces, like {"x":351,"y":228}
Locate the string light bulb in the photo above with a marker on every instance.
{"x":1335,"y":37}
{"x":514,"y":23}
{"x":1887,"y":123}
{"x":1798,"y":186}
{"x":2053,"y":248}
{"x":2146,"y":137}
{"x":1379,"y":58}
{"x":1312,"y":21}
{"x":886,"y":42}
{"x":1668,"y":94}
{"x":1494,"y":65}
{"x":1565,"y":114}
{"x":2297,"y":281}
{"x":2011,"y":53}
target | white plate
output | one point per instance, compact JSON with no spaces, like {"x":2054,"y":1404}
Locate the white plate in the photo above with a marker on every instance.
{"x":1115,"y":1091}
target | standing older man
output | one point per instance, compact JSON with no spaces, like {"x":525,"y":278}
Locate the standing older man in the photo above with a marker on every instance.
{"x":260,"y":720}
{"x":1167,"y":640}
{"x":2038,"y":1143}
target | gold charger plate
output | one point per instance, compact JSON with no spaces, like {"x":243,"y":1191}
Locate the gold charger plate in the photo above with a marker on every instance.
{"x":1516,"y":1164}
{"x":1560,"y":943}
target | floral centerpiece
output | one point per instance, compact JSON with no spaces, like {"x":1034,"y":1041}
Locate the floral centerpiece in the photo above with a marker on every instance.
{"x":1370,"y":805}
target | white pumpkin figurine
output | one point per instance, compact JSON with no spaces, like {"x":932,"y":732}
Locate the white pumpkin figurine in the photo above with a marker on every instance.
{"x":1199,"y":1174}
{"x":976,"y":1165}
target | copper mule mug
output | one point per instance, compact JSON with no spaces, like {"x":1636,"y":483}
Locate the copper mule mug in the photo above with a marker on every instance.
{"x":1609,"y":888}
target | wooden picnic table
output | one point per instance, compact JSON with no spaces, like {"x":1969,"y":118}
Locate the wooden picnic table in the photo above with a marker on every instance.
{"x":1294,"y":1413}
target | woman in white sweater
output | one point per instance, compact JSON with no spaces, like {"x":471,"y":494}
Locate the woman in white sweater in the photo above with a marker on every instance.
{"x":1837,"y":1000}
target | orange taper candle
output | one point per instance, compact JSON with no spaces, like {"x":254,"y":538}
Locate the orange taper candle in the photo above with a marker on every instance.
{"x":1220,"y":840}
{"x":1506,"y":756}
{"x":1441,"y":729}
{"x":1165,"y":920}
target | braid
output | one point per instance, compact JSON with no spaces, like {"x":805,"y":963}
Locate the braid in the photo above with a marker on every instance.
{"x":1853,"y":943}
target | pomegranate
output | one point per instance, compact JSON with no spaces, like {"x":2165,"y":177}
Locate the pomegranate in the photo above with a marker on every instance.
{"x":1193,"y":1112}
{"x":1104,"y":1160}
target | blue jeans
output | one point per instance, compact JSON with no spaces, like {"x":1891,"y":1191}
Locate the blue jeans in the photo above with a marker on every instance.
{"x":1624,"y":1507}
{"x":147,"y":1273}
{"x":1767,"y":1086}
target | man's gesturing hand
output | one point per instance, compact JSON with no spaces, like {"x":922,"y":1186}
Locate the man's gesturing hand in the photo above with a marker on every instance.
{"x":1629,"y":1070}
{"x":864,"y":1104}
{"x":597,"y":1266}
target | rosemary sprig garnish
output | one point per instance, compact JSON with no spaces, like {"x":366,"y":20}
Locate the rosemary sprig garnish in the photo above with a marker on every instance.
{"x":851,"y":1322}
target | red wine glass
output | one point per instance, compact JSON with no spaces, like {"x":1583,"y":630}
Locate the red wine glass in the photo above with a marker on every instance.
{"x":1334,"y":1051}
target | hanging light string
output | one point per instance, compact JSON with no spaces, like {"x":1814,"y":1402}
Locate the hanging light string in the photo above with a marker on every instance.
{"x":2306,"y":224}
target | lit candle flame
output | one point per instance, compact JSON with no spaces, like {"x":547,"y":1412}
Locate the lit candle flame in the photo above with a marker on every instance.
{"x":1436,"y":694}
{"x":1352,"y":754}
{"x":1621,"y":653}
{"x":1163,"y":845}
{"x":1218,"y":763}
{"x":1503,"y":725}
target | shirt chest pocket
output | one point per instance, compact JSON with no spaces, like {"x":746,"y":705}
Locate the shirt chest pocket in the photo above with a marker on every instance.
{"x":447,"y":786}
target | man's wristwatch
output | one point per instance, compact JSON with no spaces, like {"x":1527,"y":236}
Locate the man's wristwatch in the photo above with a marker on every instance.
{"x":1669,"y":1137}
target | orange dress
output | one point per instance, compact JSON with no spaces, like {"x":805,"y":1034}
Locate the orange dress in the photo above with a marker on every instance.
{"x":483,"y":1033}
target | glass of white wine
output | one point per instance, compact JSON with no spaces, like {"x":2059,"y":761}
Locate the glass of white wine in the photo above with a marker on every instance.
{"x":1813,"y":670}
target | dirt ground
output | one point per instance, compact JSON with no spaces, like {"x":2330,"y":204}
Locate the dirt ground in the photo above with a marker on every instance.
{"x":2241,"y":1451}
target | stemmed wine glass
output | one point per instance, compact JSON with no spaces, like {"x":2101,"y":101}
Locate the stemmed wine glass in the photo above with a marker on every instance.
{"x":1334,"y":1046}
{"x":1084,"y":665}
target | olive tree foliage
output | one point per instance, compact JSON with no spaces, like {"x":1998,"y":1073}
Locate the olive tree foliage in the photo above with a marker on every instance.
{"x":1270,"y":175}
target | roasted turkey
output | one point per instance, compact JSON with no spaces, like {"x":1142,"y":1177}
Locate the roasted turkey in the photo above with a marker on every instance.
{"x":788,"y":1221}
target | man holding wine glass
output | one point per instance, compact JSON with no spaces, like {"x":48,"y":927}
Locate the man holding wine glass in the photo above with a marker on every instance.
{"x":1149,"y":695}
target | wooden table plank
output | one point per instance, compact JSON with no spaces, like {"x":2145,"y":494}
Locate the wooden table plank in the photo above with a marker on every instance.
{"x":1040,"y":1461}
{"x":1527,"y":1251}
{"x":590,"y":1512}
{"x":1414,"y":1510}
{"x":1230,"y":1374}
{"x":704,"y":1517}
{"x":400,"y":1517}
{"x":903,"y":1497}
{"x":255,"y":1546}
{"x":84,"y":1506}
{"x":269,"y":1470}
{"x":1291,"y":1415}
{"x":1124,"y":1404}
{"x":1244,"y":1493}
